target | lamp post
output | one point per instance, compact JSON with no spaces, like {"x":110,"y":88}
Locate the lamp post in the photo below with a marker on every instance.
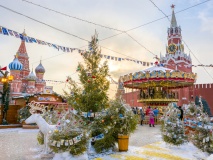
{"x":5,"y":94}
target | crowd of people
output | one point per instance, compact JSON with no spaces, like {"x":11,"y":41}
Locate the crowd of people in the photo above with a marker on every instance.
{"x":152,"y":115}
{"x":149,"y":112}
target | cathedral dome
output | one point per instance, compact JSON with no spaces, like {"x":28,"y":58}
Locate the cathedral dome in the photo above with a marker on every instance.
{"x":15,"y":65}
{"x":31,"y":77}
{"x":40,"y":69}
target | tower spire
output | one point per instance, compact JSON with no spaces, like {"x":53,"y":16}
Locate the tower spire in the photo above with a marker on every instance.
{"x":173,"y":20}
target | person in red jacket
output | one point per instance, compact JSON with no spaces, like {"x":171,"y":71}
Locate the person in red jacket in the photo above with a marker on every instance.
{"x":147,"y":110}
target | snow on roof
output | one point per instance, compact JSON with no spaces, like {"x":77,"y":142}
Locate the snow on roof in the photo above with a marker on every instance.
{"x":157,"y":68}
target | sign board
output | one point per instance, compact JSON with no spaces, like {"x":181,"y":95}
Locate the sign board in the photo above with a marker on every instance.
{"x":48,"y":90}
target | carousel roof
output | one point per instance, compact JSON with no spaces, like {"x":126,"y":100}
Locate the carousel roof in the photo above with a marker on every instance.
{"x":157,"y":68}
{"x":158,"y":76}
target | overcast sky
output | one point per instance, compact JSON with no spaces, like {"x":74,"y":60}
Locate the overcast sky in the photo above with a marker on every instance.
{"x":196,"y":24}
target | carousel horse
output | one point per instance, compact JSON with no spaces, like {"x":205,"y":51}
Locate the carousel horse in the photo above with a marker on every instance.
{"x":43,"y":126}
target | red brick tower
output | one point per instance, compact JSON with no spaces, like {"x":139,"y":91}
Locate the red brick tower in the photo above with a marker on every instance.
{"x":23,"y":58}
{"x":175,"y":57}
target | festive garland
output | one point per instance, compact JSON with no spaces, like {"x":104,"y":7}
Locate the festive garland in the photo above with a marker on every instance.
{"x":72,"y":141}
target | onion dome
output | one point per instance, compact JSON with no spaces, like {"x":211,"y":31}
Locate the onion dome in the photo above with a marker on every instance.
{"x":15,"y":64}
{"x":40,"y":68}
{"x":31,"y":77}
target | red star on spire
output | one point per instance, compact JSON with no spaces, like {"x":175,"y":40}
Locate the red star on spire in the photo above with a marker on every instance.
{"x":172,"y":6}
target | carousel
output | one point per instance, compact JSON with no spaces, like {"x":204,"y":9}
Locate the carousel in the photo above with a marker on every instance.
{"x":158,"y":85}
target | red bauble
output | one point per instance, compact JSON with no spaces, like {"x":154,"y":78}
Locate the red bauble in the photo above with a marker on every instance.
{"x":88,"y":81}
{"x":93,"y":76}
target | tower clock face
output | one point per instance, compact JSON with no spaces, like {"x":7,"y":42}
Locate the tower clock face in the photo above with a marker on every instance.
{"x":172,"y":48}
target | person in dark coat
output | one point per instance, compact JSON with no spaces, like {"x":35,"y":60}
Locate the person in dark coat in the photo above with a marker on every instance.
{"x":181,"y":113}
{"x":142,"y":116}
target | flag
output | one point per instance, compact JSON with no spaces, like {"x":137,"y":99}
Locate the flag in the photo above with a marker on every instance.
{"x":101,"y":55}
{"x":147,"y":63}
{"x":42,"y":42}
{"x":10,"y":32}
{"x":119,"y":59}
{"x":141,"y":62}
{"x":16,"y":34}
{"x":21,"y":37}
{"x":108,"y":57}
{"x":112,"y":58}
{"x":5,"y":31}
{"x":68,"y":50}
{"x":105,"y":56}
{"x":4,"y":68}
{"x":0,"y":30}
{"x":151,"y":64}
{"x":138,"y":62}
{"x":26,"y":39}
{"x":71,"y":49}
{"x":123,"y":59}
{"x":33,"y":40}
{"x":55,"y":46}
{"x":144,"y":63}
{"x":49,"y":44}
{"x":30,"y":39}
{"x":116,"y":58}
{"x":39,"y":41}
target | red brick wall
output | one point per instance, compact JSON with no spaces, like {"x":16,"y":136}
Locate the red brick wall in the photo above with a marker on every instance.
{"x":186,"y":95}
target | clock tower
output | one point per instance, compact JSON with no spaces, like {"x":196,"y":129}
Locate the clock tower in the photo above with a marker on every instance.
{"x":175,"y":57}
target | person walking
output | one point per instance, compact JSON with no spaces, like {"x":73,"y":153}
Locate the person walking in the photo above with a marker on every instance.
{"x":142,"y":116}
{"x":134,"y":110}
{"x":156,"y":111}
{"x":147,"y":110}
{"x":151,"y":118}
{"x":181,"y":113}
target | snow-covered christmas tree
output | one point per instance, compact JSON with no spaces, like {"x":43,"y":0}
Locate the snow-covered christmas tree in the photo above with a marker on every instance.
{"x":172,"y":127}
{"x":203,"y":138}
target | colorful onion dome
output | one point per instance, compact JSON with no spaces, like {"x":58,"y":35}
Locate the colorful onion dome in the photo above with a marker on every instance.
{"x":40,"y":68}
{"x":15,"y":64}
{"x":31,"y":77}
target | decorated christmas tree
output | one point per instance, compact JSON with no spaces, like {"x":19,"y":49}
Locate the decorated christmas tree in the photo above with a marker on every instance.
{"x":206,"y":107}
{"x":117,"y":119}
{"x":91,"y":95}
{"x":203,"y":133}
{"x":69,"y":135}
{"x":172,"y":128}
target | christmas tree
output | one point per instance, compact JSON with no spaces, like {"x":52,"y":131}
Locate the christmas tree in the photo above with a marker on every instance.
{"x":91,"y":95}
{"x":203,"y":133}
{"x":118,"y":119}
{"x":172,"y":128}
{"x":206,"y":107}
{"x":69,"y":135}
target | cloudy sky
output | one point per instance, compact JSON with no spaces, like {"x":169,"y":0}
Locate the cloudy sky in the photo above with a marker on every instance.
{"x":196,"y":24}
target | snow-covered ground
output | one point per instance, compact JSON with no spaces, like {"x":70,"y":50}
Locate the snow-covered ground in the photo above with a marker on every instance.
{"x":145,"y":144}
